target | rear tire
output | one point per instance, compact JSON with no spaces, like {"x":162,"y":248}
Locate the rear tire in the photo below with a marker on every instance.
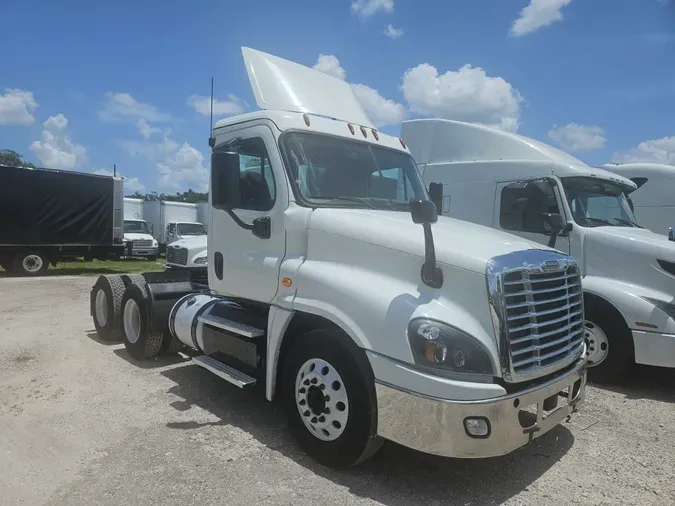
{"x":106,"y":304}
{"x":30,"y":263}
{"x":141,"y":340}
{"x":610,"y":345}
{"x":329,"y":398}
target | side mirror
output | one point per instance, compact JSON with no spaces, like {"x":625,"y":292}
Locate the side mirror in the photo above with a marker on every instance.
{"x":423,"y":211}
{"x":554,"y":223}
{"x":671,"y":234}
{"x":436,"y":196}
{"x":225,"y":180}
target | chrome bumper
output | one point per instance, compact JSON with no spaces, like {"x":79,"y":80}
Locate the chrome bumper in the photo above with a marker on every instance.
{"x":436,"y":426}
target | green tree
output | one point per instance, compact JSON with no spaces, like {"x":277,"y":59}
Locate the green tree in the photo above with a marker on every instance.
{"x":11,"y":157}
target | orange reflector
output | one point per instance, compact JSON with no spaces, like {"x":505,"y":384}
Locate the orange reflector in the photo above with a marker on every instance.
{"x":306,"y":118}
{"x":287,"y":282}
{"x":363,"y":131}
{"x":377,"y":137}
{"x":351,"y":128}
{"x":648,"y":325}
{"x":403,"y":144}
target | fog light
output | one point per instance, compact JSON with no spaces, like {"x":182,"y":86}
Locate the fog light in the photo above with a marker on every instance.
{"x":477,"y":427}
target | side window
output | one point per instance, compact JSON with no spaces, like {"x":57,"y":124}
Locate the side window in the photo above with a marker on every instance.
{"x":523,"y":206}
{"x":171,"y":229}
{"x":256,"y":184}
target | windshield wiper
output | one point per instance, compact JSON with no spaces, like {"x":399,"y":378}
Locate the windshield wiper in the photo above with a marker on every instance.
{"x":598,"y":220}
{"x":628,"y":222}
{"x":351,"y":199}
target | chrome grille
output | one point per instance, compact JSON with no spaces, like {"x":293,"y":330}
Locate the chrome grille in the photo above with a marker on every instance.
{"x":176,"y":256}
{"x":538,"y":306}
{"x":142,"y":243}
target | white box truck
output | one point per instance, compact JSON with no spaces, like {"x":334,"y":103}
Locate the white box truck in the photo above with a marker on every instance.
{"x":138,"y":240}
{"x":204,"y":214}
{"x":333,"y":283}
{"x":524,"y":187}
{"x":654,"y":198}
{"x":170,"y":221}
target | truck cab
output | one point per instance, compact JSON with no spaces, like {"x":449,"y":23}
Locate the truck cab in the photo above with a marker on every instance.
{"x":332,"y":281}
{"x":527,"y":188}
{"x":178,"y":230}
{"x":139,"y":241}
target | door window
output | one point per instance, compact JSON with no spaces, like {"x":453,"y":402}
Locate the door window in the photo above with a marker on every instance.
{"x":171,"y":229}
{"x":524,"y":204}
{"x":256,"y":184}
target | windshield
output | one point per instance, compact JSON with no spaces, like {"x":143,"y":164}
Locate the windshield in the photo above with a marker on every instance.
{"x":597,"y":203}
{"x":190,"y":229}
{"x":135,"y":227}
{"x":334,"y":171}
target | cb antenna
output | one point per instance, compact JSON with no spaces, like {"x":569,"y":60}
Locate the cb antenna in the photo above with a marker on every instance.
{"x":212,"y":140}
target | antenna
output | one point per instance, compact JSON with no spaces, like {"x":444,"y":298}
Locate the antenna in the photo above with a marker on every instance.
{"x":212,"y":140}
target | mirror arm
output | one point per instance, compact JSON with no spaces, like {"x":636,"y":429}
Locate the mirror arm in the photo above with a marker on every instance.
{"x":238,"y":221}
{"x":432,"y":275}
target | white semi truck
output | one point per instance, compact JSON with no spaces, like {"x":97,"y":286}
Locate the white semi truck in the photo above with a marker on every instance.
{"x":332,"y":282}
{"x":171,"y":221}
{"x":524,"y":187}
{"x":137,"y":237}
{"x":654,"y":197}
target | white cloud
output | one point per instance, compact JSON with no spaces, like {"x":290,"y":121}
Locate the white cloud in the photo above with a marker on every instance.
{"x":538,"y":14}
{"x":578,"y":138}
{"x":393,"y":33}
{"x":184,"y":168}
{"x":124,"y":107}
{"x":467,"y":94}
{"x":56,"y":150}
{"x":380,"y":110}
{"x":131,"y":184}
{"x":16,"y":107}
{"x":367,"y":8}
{"x":654,"y":151}
{"x":202,"y":105}
{"x":146,"y":129}
{"x":329,"y":64}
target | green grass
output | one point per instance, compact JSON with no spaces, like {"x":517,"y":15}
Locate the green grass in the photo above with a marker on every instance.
{"x":76,"y":267}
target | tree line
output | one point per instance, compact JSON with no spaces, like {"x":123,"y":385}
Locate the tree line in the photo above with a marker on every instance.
{"x":11,"y":157}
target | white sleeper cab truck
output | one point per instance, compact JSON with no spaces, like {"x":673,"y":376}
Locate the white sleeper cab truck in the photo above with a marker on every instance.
{"x":191,"y":254}
{"x":332,"y":283}
{"x":538,"y":192}
{"x":654,"y":198}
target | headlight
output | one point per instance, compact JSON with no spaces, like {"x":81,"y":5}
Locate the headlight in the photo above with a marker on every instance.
{"x":155,"y":243}
{"x":201,"y":260}
{"x":442,"y":347}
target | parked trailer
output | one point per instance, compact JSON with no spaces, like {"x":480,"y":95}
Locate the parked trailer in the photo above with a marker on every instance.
{"x":525,"y":187}
{"x":347,"y":298}
{"x":48,"y":215}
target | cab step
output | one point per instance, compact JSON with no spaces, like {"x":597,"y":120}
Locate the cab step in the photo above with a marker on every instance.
{"x":224,"y":371}
{"x":235,"y":327}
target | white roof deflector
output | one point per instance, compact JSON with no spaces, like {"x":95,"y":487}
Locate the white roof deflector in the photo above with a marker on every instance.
{"x":283,"y":85}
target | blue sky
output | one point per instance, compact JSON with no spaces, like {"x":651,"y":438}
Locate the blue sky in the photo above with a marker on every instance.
{"x":103,"y":83}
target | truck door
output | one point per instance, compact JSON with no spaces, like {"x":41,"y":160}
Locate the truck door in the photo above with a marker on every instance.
{"x":170,"y":233}
{"x":241,"y":262}
{"x":520,"y":210}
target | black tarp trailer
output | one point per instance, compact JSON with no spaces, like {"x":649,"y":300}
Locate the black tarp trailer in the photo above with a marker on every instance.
{"x":48,"y":215}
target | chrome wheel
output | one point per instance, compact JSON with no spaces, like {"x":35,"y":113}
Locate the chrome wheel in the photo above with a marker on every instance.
{"x":321,"y":399}
{"x":132,"y":321}
{"x":32,"y":263}
{"x":597,"y":344}
{"x":101,"y":305}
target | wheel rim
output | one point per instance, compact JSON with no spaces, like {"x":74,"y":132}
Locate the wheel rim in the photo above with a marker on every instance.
{"x":322,"y":400}
{"x":132,"y":321}
{"x":597,"y":344}
{"x":101,"y":308}
{"x":32,"y":263}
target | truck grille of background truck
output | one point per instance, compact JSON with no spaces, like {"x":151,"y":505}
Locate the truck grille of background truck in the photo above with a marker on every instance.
{"x":142,"y":244}
{"x":544,"y":317}
{"x":177,"y":256}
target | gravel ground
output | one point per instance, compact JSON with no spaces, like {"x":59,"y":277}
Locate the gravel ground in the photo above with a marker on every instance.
{"x":81,"y":423}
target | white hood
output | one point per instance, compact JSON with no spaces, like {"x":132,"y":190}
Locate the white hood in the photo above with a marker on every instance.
{"x":190,"y":242}
{"x":458,"y":243}
{"x":132,"y":236}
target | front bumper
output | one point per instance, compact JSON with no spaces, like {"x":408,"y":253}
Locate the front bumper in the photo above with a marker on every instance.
{"x":145,"y":252}
{"x":436,"y":426}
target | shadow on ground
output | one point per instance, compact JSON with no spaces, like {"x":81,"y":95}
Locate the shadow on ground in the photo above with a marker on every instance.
{"x":160,"y":361}
{"x":93,"y":335}
{"x":396,"y":475}
{"x":645,"y":382}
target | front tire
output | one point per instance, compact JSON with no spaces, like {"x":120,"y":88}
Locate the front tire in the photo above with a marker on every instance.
{"x":609,"y":343}
{"x":329,"y":398}
{"x":106,"y":304}
{"x":141,"y":340}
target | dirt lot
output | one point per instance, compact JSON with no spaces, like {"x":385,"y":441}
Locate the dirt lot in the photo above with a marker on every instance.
{"x":81,"y":423}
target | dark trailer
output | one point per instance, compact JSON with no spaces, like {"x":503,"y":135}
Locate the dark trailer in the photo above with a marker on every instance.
{"x":47,"y":215}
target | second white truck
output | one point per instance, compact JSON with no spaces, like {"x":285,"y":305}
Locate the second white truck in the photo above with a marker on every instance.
{"x":524,"y":187}
{"x":171,"y":221}
{"x":334,"y":284}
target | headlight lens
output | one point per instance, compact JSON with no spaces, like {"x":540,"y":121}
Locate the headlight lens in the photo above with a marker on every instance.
{"x":154,"y":243}
{"x":201,"y":260}
{"x":440,"y":346}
